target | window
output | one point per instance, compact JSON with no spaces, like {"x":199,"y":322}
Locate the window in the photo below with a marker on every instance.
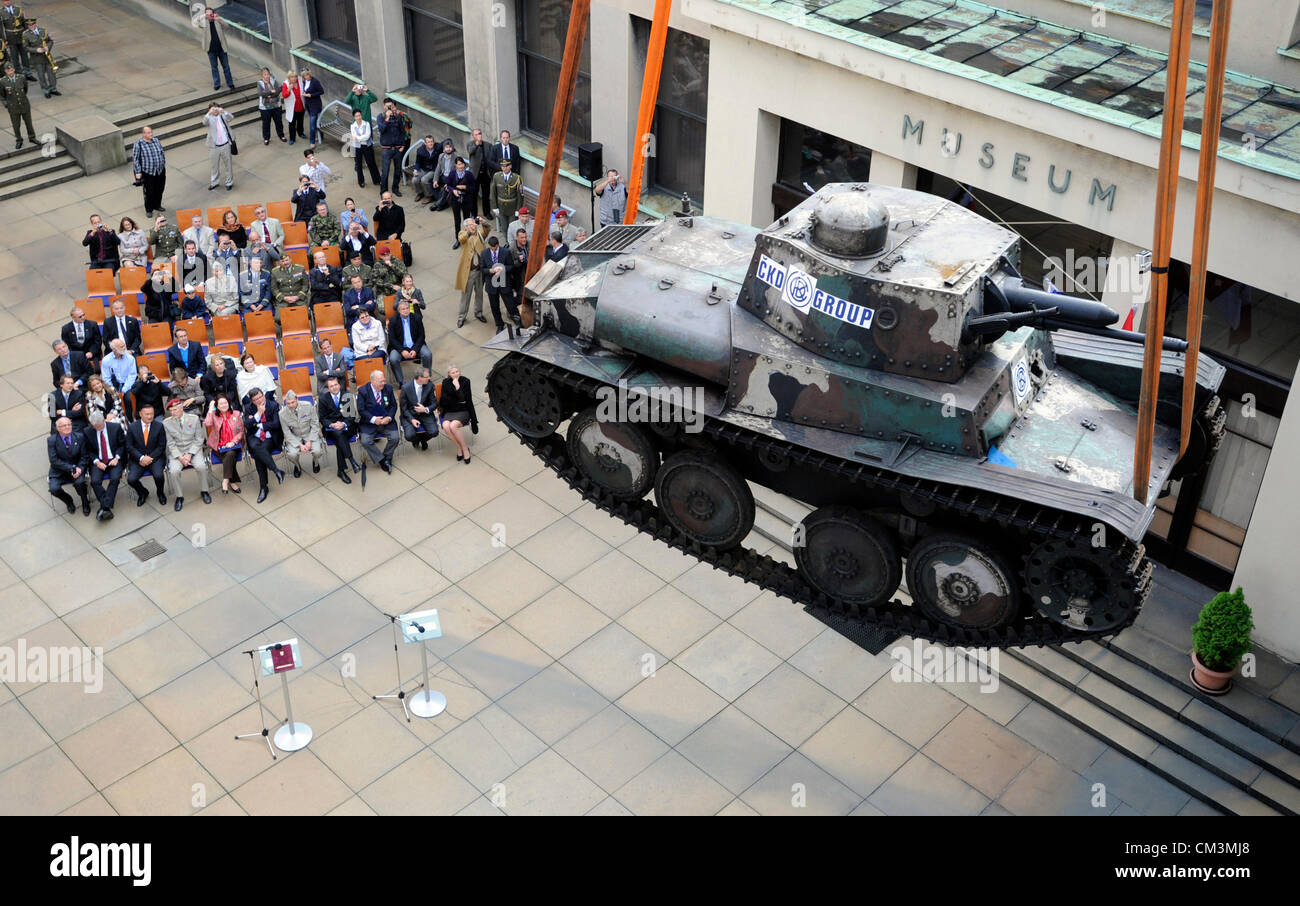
{"x":810,"y":158}
{"x":258,"y":5}
{"x":543,"y":27}
{"x":435,"y":45}
{"x":251,"y":14}
{"x":334,"y":22}
{"x":676,"y":163}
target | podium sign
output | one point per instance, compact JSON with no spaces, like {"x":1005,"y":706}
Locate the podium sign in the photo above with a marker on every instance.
{"x":420,"y":626}
{"x":280,"y":657}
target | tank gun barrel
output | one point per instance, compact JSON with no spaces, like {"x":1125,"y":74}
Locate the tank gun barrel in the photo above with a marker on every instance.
{"x":1068,"y":309}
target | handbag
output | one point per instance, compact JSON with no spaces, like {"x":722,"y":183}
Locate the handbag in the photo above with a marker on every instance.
{"x":234,"y":148}
{"x":406,"y":253}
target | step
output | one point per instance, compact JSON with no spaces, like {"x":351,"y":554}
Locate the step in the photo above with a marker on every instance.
{"x":196,"y":102}
{"x":35,"y":184}
{"x":772,"y":527}
{"x":196,"y":133}
{"x":37,"y":168}
{"x":195,"y":115}
{"x":1136,"y":743}
{"x":1191,"y":742}
{"x":788,"y":509}
{"x":16,"y":157}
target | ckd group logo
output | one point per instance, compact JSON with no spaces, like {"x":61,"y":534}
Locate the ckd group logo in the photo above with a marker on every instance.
{"x":799,"y":291}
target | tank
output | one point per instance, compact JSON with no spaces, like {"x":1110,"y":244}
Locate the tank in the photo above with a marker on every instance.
{"x":876,"y":354}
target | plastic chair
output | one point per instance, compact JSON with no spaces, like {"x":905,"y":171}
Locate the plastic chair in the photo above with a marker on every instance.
{"x":157,"y":362}
{"x":227,"y":329}
{"x":264,"y":351}
{"x":299,"y":256}
{"x":295,"y":234}
{"x":99,"y":282}
{"x":155,"y":337}
{"x":131,"y":303}
{"x":197,"y":328}
{"x":393,"y":244}
{"x":280,"y":210}
{"x":298,"y":350}
{"x":132,"y":278}
{"x":299,"y":381}
{"x":260,"y":325}
{"x":329,"y":316}
{"x":216,"y":213}
{"x":332,"y":256}
{"x":294,"y":320}
{"x":230,"y":350}
{"x":245,"y":212}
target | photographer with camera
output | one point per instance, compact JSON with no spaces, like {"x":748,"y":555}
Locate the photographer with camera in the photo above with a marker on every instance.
{"x":103,"y":244}
{"x":220,"y":143}
{"x":390,"y":219}
{"x":305,"y":198}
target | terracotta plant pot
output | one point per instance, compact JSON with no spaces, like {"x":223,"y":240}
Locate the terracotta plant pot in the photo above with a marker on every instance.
{"x":1211,"y":682}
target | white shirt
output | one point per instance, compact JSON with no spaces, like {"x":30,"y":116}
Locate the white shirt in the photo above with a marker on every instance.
{"x":363,"y":338}
{"x":361,"y":133}
{"x":317,"y":173}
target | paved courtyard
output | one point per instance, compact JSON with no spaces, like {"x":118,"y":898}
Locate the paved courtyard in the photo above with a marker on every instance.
{"x":587,"y":669}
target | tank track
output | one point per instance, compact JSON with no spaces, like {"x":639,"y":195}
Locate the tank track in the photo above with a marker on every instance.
{"x":1037,"y":522}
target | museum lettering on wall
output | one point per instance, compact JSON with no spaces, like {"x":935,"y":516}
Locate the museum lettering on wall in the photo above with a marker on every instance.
{"x":1021,"y":166}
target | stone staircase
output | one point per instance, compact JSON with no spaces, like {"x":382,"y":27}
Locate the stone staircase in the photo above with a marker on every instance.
{"x":1239,"y":754}
{"x":175,"y":123}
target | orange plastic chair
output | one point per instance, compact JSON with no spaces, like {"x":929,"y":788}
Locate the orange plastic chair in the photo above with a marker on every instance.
{"x":329,"y":316}
{"x":298,"y":350}
{"x":260,"y":325}
{"x":99,"y":282}
{"x":157,"y":363}
{"x":231,"y":351}
{"x":393,"y":244}
{"x":216,"y":213}
{"x":197,"y":328}
{"x":337,"y":336}
{"x":184,"y":216}
{"x":263,"y":349}
{"x":332,"y":256}
{"x":295,"y":234}
{"x":155,"y":337}
{"x":94,"y":310}
{"x":132,"y":305}
{"x":299,"y":256}
{"x":362,"y":367}
{"x":227,"y":329}
{"x":245,"y":212}
{"x":132,"y":278}
{"x":298,"y":380}
{"x":294,"y":320}
{"x":280,"y":210}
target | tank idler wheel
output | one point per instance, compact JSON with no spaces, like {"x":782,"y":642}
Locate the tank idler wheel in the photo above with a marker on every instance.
{"x":526,"y":402}
{"x":1080,"y":586}
{"x":961,"y":581}
{"x":616,"y":456}
{"x":705,"y":499}
{"x":848,"y":556}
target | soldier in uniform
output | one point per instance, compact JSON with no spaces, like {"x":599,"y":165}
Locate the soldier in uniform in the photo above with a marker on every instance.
{"x":301,"y":426}
{"x":506,"y":198}
{"x":165,"y":239}
{"x":12,"y":22}
{"x":324,"y":228}
{"x":13,"y":88}
{"x":187,"y":445}
{"x":290,"y":284}
{"x":358,"y":268}
{"x":40,"y":54}
{"x":387,"y":273}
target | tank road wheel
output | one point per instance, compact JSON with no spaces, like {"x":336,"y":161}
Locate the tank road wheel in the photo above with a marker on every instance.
{"x":962,"y":582}
{"x":848,"y":556}
{"x":705,"y":499}
{"x":526,"y":402}
{"x":616,"y":456}
{"x":1080,"y":586}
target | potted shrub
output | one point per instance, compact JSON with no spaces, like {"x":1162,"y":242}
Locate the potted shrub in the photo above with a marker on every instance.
{"x":1219,"y":639}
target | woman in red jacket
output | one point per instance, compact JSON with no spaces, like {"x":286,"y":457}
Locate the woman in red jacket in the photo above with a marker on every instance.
{"x":294,"y":105}
{"x":226,"y":438}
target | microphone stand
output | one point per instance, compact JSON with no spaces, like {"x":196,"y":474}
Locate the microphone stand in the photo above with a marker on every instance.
{"x":400,"y":695}
{"x":257,"y":687}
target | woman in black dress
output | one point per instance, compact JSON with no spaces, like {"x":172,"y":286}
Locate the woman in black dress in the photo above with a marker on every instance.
{"x":456,"y":407}
{"x":219,"y":380}
{"x":230,"y":226}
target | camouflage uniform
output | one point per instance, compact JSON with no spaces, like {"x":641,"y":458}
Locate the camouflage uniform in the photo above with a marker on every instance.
{"x":324,"y":229}
{"x":14,"y":91}
{"x":292,"y":281}
{"x":166,"y":241}
{"x":367,"y":275}
{"x":41,"y":62}
{"x":386,"y":276}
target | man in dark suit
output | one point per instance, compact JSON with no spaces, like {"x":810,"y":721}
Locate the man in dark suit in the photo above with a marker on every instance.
{"x":377,"y":415}
{"x":406,"y":341}
{"x":504,"y":150}
{"x":358,"y":242}
{"x":331,"y":364}
{"x":187,"y":355}
{"x":557,"y":251}
{"x":193,"y":265}
{"x":146,"y":452}
{"x":106,"y":450}
{"x":67,"y":454}
{"x":83,"y":336}
{"x":65,"y":362}
{"x":498,"y":265}
{"x":419,"y":420}
{"x":262,"y":433}
{"x":356,"y":300}
{"x":338,"y":421}
{"x":67,"y":402}
{"x":462,"y":194}
{"x":325,"y":280}
{"x":120,"y":324}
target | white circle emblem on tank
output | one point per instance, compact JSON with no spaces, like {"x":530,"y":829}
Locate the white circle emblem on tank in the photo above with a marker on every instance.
{"x":799,"y":289}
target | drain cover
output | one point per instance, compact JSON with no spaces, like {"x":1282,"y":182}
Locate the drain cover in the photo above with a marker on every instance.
{"x":148,"y":550}
{"x":874,"y":639}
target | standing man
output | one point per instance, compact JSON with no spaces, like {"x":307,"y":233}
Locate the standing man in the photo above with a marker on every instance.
{"x":186,"y":446}
{"x":479,"y":164}
{"x":40,"y":54}
{"x":13,"y":23}
{"x":315,"y":171}
{"x":218,"y":143}
{"x":377,"y":408}
{"x":312,"y":89}
{"x":150,"y":164}
{"x":503,"y":151}
{"x":338,"y":418}
{"x":212,"y":33}
{"x":613,"y":198}
{"x":507,"y":190}
{"x":106,"y":446}
{"x":393,"y":128}
{"x":146,"y":452}
{"x":13,"y":89}
{"x":523,"y":221}
{"x":463,"y":195}
{"x":419,"y":421}
{"x":497,"y":264}
{"x":360,"y":99}
{"x":301,"y":427}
